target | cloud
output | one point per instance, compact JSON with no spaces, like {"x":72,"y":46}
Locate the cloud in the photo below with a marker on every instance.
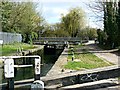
{"x":53,"y":20}
{"x":51,"y":1}
{"x":60,"y":11}
{"x":53,"y":14}
{"x":52,"y":10}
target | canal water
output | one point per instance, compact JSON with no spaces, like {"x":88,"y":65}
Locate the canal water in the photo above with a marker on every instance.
{"x":47,"y":61}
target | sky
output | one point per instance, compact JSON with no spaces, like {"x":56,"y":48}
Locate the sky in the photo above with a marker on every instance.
{"x":52,"y":10}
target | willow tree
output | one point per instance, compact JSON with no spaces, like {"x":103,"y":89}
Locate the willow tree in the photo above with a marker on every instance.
{"x":74,"y":21}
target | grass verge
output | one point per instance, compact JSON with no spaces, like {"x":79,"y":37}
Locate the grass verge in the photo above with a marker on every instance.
{"x":85,"y":60}
{"x":13,"y":48}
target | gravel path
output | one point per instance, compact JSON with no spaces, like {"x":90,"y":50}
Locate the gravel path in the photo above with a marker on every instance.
{"x":104,"y":54}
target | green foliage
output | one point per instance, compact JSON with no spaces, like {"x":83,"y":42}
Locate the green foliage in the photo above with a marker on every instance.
{"x":6,"y":10}
{"x":21,"y":17}
{"x":85,"y":33}
{"x":55,"y":30}
{"x":73,"y":21}
{"x":110,"y":24}
{"x":118,"y":24}
{"x":34,"y":35}
{"x":92,"y":33}
{"x":56,"y":33}
{"x":49,"y":33}
{"x":109,"y":13}
{"x":61,"y":33}
{"x":102,"y":37}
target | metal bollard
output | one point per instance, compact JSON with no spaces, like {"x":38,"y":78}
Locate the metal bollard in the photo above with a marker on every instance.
{"x":37,"y":85}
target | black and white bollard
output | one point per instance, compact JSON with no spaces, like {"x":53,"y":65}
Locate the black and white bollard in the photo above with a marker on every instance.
{"x":73,"y":57}
{"x":37,"y":68}
{"x":9,"y":72}
{"x":37,"y":84}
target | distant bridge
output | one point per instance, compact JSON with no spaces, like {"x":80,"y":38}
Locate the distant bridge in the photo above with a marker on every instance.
{"x":58,"y":40}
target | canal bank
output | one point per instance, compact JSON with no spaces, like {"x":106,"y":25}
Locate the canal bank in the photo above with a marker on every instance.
{"x":58,"y":67}
{"x":29,"y":51}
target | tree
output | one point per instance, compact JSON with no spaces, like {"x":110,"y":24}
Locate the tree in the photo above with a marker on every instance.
{"x":87,"y":32}
{"x":91,"y":33}
{"x":102,"y":37}
{"x":118,"y":24}
{"x":6,"y":10}
{"x":83,"y":34}
{"x":21,"y":17}
{"x":110,"y":20}
{"x":110,"y":23}
{"x":48,"y":33}
{"x":61,"y":33}
{"x":73,"y":21}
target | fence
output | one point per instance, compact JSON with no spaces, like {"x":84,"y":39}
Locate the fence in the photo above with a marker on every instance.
{"x":10,"y":37}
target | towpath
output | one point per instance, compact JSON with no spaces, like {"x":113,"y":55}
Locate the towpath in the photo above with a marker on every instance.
{"x":109,"y":55}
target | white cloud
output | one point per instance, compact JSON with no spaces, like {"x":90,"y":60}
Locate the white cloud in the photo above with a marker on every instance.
{"x":48,"y":1}
{"x":52,"y":12}
{"x":60,"y":11}
{"x":55,"y":11}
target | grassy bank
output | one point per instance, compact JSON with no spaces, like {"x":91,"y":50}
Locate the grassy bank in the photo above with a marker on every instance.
{"x":14,"y":48}
{"x":84,"y":60}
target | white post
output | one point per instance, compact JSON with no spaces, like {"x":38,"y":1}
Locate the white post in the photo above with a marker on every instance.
{"x":9,"y":72}
{"x":9,"y":68}
{"x":37,"y":68}
{"x":1,"y":42}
